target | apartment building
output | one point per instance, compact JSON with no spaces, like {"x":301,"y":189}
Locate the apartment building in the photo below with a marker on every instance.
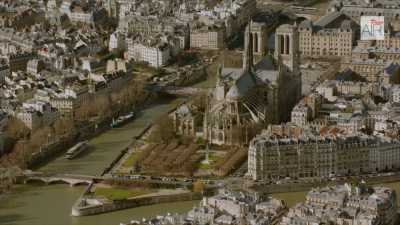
{"x":332,"y":35}
{"x":273,"y":157}
{"x":345,"y":204}
{"x":207,"y":37}
{"x":35,"y":114}
{"x":154,"y":53}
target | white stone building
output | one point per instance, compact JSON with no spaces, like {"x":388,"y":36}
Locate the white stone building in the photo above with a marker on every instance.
{"x":301,"y":114}
{"x":345,"y":204}
{"x":117,"y":41}
{"x":271,"y":157}
{"x":35,"y":114}
{"x":207,"y":37}
{"x":156,"y":54}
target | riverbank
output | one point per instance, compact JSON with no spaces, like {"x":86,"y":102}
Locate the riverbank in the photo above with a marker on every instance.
{"x":25,"y":205}
{"x":21,"y":207}
{"x":137,"y":141}
{"x":91,"y":205}
{"x":90,"y":130}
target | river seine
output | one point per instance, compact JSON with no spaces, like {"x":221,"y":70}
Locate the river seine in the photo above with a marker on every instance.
{"x":51,"y":205}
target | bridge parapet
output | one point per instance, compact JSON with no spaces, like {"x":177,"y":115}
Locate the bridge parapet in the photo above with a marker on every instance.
{"x":71,"y":179}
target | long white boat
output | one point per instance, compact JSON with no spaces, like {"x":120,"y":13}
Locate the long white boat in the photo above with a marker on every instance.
{"x":77,"y":149}
{"x":121,"y":120}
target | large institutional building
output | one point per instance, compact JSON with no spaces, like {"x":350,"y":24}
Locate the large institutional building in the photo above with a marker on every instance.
{"x":356,"y":8}
{"x":332,"y":35}
{"x":273,"y":157}
{"x":256,"y":94}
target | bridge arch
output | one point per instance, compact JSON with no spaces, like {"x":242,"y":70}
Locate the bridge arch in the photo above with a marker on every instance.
{"x":35,"y":181}
{"x":58,"y":181}
{"x":80,"y":183}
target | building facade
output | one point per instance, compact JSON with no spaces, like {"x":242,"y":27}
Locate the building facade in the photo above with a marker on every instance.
{"x":357,"y":8}
{"x":345,"y":204}
{"x":332,"y":35}
{"x":258,"y":34}
{"x":272,"y":157}
{"x":207,"y":38}
{"x":156,"y":55}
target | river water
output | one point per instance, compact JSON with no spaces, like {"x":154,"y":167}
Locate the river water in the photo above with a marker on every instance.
{"x":51,"y":205}
{"x":108,"y":145}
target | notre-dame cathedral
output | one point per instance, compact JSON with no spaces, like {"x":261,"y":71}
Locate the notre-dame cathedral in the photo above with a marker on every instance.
{"x":258,"y":94}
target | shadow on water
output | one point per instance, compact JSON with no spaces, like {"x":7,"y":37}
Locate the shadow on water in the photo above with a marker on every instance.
{"x":90,"y":149}
{"x":11,"y":219}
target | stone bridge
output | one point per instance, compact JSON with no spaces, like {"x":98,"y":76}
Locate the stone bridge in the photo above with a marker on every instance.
{"x":71,"y":179}
{"x":176,"y":90}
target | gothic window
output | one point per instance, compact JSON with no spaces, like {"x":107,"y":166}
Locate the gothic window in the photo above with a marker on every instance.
{"x":255,"y":42}
{"x":287,"y":45}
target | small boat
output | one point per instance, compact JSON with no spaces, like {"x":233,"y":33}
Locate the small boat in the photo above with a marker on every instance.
{"x":121,"y":120}
{"x":77,"y":149}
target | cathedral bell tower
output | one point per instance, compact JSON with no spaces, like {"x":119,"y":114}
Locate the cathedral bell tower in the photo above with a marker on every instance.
{"x":248,"y":60}
{"x":287,"y":47}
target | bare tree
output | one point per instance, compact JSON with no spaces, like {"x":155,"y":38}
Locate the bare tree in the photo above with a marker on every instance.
{"x":63,"y":126}
{"x":198,"y":186}
{"x":163,"y":130}
{"x":16,"y":129}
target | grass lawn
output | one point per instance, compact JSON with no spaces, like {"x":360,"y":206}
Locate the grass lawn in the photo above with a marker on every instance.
{"x":128,"y":163}
{"x":204,"y":166}
{"x":213,"y":157}
{"x":120,"y":193}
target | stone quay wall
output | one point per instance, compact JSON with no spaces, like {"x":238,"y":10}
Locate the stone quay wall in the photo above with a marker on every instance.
{"x":132,"y":203}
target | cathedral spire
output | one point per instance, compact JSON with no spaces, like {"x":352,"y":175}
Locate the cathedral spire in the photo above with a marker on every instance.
{"x":248,"y":48}
{"x":219,"y":74}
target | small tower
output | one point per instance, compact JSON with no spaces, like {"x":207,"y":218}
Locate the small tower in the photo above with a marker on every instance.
{"x":248,"y":50}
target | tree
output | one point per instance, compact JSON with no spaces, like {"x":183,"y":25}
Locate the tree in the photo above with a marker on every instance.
{"x":102,"y":106}
{"x":63,"y":126}
{"x":16,"y":129}
{"x":200,"y":101}
{"x":199,"y":186}
{"x":163,"y":130}
{"x":39,"y":138}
